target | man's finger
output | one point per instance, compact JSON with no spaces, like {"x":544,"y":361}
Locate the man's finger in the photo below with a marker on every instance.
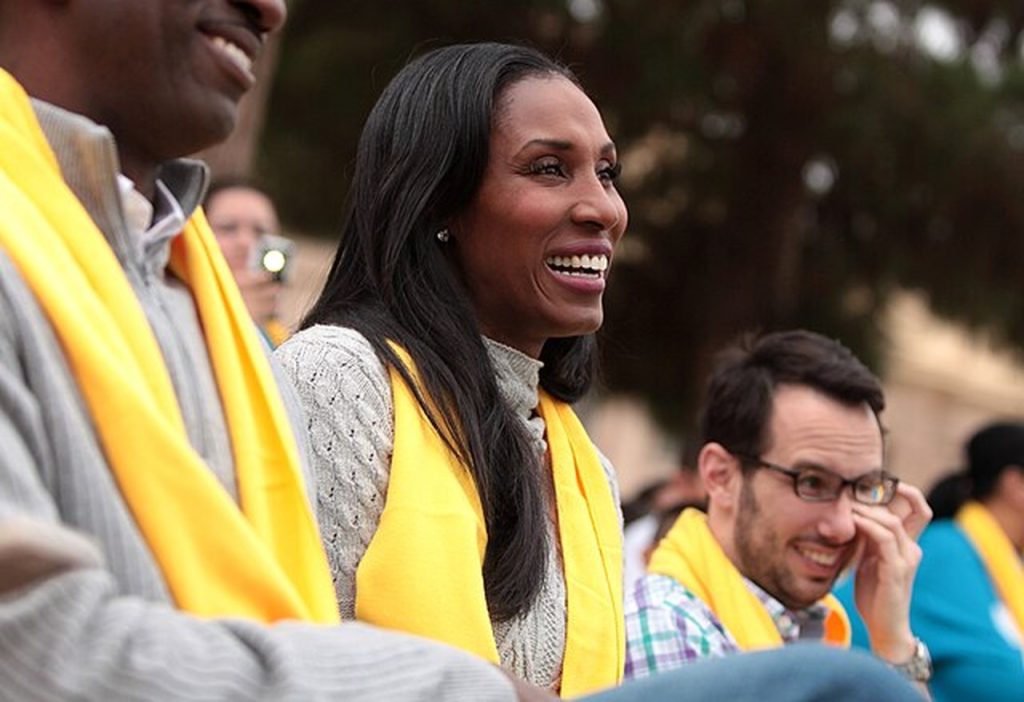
{"x":913,"y":509}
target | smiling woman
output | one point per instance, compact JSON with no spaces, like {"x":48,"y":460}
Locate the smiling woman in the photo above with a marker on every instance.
{"x":459,"y":496}
{"x":547,"y":202}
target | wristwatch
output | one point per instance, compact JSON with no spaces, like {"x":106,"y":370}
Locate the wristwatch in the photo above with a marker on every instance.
{"x":919,"y":667}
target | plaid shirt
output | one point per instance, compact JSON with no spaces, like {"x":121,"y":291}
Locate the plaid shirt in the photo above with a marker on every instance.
{"x":667,"y":626}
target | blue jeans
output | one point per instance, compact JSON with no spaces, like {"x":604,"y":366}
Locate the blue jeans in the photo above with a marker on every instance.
{"x":797,"y":673}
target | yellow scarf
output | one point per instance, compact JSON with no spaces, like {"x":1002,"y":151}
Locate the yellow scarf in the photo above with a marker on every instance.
{"x":422,"y":571}
{"x":690,"y":554}
{"x":999,"y":556}
{"x":275,"y":332}
{"x":262,"y":562}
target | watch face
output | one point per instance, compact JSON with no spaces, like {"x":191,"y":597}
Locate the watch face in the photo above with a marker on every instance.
{"x":919,"y":667}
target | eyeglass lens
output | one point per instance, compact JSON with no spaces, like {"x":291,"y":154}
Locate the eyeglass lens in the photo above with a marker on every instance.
{"x":875,"y":489}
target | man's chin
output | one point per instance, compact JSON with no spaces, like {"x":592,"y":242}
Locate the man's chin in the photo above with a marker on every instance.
{"x":215,"y":132}
{"x":808,"y":596}
{"x":222,"y":121}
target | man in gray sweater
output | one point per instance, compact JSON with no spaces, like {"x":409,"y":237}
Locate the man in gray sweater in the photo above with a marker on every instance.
{"x":121,"y":89}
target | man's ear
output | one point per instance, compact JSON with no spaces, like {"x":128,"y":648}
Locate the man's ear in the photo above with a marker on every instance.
{"x":721,"y":473}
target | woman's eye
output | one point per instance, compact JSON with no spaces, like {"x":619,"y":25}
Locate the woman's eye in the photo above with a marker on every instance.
{"x":552,"y":168}
{"x":610,"y":173}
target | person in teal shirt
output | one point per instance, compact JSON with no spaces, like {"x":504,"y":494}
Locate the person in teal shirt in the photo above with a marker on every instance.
{"x":956,"y":608}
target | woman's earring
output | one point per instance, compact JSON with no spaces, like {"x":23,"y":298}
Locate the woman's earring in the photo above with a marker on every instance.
{"x":443,"y":236}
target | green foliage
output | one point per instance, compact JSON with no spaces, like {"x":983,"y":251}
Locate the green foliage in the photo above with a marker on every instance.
{"x":787,"y":163}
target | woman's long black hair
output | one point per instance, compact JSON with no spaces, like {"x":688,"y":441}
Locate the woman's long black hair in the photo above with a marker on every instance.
{"x":420,"y":161}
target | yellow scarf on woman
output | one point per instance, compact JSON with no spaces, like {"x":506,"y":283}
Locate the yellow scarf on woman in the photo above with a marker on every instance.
{"x":263,"y":561}
{"x":423,"y":569}
{"x":999,"y":556}
{"x":691,"y":555}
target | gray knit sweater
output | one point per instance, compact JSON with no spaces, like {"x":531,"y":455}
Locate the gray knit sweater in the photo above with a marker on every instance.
{"x":112,"y":632}
{"x":346,"y":393}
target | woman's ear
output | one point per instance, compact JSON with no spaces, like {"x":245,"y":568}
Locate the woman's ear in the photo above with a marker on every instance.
{"x":721,"y":472}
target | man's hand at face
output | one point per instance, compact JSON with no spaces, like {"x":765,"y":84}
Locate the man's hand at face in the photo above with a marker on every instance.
{"x":912,"y":508}
{"x":885,"y":575}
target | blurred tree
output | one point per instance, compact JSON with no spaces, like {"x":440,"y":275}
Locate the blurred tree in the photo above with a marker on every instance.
{"x":786,"y":163}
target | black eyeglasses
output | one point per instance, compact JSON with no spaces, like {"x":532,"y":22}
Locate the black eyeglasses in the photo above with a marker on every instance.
{"x":821,"y":485}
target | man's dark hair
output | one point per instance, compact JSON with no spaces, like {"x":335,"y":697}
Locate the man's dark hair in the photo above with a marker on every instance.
{"x":739,"y":398}
{"x":420,"y":161}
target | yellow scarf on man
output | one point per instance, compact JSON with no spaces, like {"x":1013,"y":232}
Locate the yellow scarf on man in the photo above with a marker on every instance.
{"x":423,"y":569}
{"x":997,"y":552}
{"x":691,"y":555}
{"x":263,"y":561}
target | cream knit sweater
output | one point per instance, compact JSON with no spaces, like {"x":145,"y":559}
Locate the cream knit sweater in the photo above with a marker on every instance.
{"x":346,"y":393}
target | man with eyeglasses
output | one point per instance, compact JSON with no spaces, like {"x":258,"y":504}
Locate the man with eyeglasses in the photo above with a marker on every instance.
{"x":793,"y":463}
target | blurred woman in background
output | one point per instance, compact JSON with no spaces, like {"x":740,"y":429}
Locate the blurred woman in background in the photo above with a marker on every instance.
{"x":244,"y":220}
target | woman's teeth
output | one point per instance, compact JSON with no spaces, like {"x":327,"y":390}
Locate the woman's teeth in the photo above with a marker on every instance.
{"x":585,"y":265}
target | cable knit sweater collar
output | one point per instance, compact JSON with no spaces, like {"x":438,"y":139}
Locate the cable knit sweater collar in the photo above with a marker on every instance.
{"x":518,"y":378}
{"x":517,"y":375}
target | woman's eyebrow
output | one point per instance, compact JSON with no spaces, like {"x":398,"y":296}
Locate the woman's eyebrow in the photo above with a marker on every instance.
{"x":559,"y":144}
{"x":563,"y":145}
